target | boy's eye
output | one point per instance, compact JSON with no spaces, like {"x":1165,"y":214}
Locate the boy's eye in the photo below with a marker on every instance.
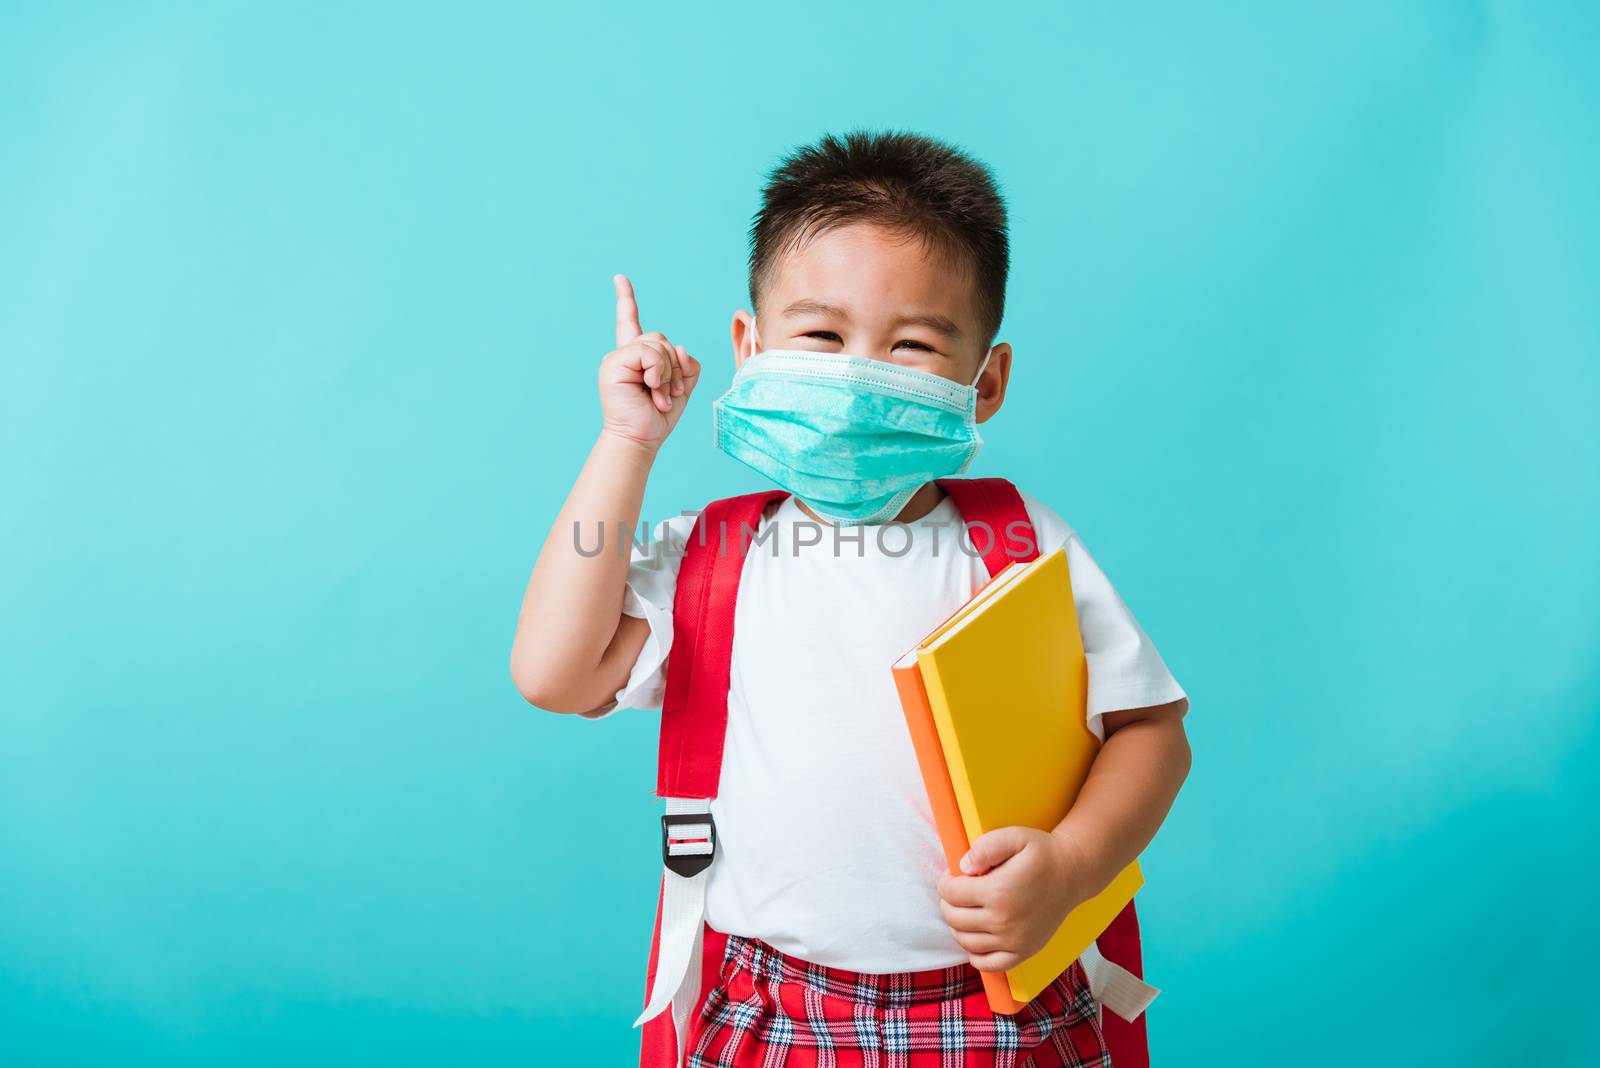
{"x":829,"y":335}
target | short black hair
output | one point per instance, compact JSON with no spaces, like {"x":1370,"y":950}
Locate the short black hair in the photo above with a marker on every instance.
{"x":900,"y":180}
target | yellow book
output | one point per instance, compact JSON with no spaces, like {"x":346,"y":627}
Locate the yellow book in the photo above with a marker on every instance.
{"x":1007,"y":683}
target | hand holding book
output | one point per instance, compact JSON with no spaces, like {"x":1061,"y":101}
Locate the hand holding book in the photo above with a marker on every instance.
{"x":995,"y":699}
{"x":1021,"y":883}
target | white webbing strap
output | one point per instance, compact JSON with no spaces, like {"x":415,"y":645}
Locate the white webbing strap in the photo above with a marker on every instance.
{"x":683,"y":1002}
{"x":1116,"y":987}
{"x":681,"y":941}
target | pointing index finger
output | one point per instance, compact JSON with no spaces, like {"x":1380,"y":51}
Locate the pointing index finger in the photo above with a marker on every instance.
{"x":627,"y":311}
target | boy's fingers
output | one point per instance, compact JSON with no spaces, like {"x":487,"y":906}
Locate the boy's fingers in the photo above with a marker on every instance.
{"x":994,"y":962}
{"x":979,"y":942}
{"x":679,"y":384}
{"x":650,"y":366}
{"x":994,"y":848}
{"x":627,"y":310}
{"x":961,"y":890}
{"x":662,"y":357}
{"x":658,"y":365}
{"x":670,"y":363}
{"x":960,"y":918}
{"x":691,"y":371}
{"x":658,"y":373}
{"x":651,"y":355}
{"x":675,"y":382}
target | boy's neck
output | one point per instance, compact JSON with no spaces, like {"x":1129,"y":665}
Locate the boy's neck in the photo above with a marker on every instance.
{"x":921,"y":503}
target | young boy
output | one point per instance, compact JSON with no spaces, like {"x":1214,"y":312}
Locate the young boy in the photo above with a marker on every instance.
{"x":877,"y":283}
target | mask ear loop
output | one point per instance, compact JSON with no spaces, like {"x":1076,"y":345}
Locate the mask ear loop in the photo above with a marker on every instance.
{"x":753,"y":348}
{"x":983,"y":363}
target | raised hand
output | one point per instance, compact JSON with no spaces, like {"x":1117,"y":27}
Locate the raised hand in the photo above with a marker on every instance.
{"x":646,"y":380}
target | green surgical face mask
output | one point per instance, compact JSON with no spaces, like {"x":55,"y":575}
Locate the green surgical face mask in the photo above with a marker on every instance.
{"x":853,"y":438}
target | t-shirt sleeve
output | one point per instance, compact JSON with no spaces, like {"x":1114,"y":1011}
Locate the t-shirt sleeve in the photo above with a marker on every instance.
{"x":652,"y":581}
{"x":1125,"y":668}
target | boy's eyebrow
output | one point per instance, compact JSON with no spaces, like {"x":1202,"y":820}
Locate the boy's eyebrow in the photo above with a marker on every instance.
{"x":938,"y":323}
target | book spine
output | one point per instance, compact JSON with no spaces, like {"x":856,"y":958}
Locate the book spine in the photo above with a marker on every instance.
{"x":942,"y":799}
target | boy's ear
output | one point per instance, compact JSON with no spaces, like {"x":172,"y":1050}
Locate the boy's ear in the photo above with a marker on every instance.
{"x":992,"y":385}
{"x":743,"y":330}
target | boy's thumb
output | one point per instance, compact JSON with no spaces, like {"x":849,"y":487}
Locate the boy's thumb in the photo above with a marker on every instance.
{"x":993,"y":849}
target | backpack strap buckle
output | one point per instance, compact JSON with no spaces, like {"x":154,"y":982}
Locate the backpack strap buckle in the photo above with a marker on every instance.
{"x":688,"y":842}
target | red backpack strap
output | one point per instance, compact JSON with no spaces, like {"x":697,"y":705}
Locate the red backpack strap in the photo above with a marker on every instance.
{"x":694,"y":724}
{"x":997,"y":520}
{"x":694,"y":711}
{"x":998,"y":524}
{"x":1127,"y":1041}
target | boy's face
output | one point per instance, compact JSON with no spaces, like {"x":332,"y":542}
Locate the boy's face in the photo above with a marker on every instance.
{"x":864,"y":290}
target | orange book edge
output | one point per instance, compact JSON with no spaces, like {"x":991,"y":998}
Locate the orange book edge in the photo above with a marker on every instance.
{"x":942,"y":798}
{"x":936,"y":775}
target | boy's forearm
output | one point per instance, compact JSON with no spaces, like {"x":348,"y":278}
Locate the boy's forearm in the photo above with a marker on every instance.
{"x":1129,"y":790}
{"x":573,"y":601}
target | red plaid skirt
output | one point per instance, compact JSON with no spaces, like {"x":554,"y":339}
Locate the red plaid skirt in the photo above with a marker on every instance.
{"x":769,"y":1010}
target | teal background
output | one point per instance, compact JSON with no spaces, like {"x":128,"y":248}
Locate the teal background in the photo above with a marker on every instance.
{"x":300,"y":311}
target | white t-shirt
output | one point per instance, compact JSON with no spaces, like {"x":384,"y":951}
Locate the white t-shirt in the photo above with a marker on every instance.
{"x":826,"y":846}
